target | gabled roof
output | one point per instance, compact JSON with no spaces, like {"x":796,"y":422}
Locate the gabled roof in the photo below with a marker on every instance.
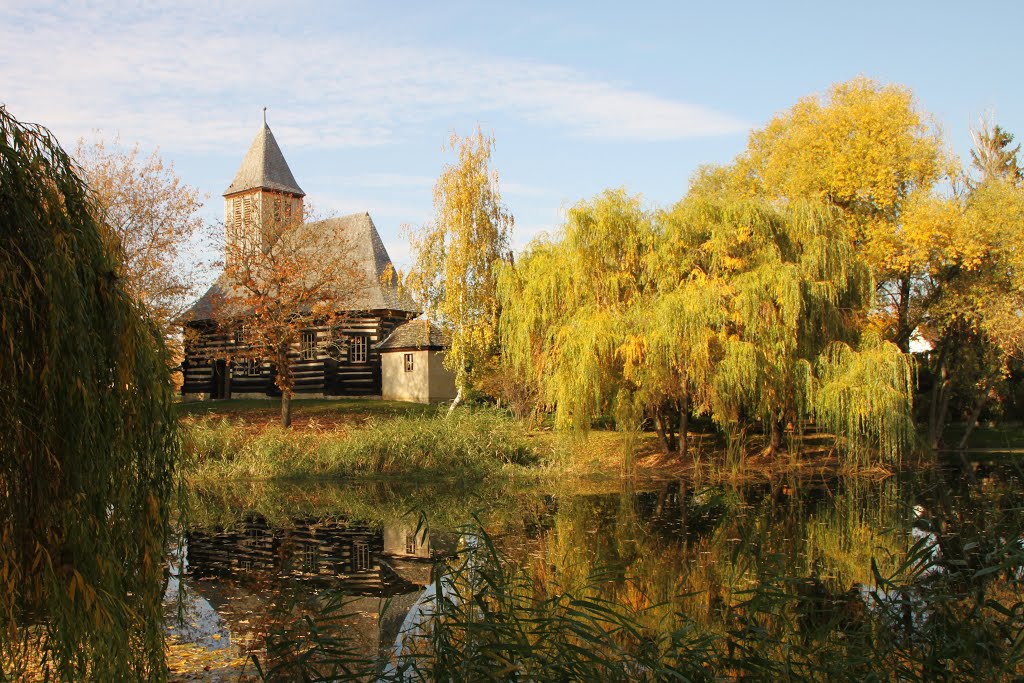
{"x":357,"y":241}
{"x":416,"y":334}
{"x":264,"y":167}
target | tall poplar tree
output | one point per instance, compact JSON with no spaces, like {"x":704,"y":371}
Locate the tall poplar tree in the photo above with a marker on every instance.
{"x":992,"y":156}
{"x":456,"y":255}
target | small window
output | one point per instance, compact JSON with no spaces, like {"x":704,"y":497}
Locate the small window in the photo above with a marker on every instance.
{"x":360,"y":556}
{"x":311,"y":557}
{"x":308,"y":345}
{"x":240,"y":334}
{"x":253,"y":367}
{"x":357,"y":350}
{"x":408,"y":362}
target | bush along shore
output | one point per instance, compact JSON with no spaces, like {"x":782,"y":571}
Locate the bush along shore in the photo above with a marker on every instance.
{"x":469,"y":444}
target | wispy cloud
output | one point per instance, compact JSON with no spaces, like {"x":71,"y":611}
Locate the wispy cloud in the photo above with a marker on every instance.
{"x":197,"y":75}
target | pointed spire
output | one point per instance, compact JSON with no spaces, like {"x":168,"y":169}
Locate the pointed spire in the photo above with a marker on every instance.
{"x":264,"y":166}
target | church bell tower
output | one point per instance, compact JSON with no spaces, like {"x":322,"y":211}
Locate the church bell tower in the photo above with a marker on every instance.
{"x":262,"y":199}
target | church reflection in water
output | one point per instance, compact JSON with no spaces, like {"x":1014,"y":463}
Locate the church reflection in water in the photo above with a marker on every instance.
{"x":235,"y":579}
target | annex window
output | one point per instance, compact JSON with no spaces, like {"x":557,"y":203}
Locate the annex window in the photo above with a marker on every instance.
{"x":357,"y":350}
{"x":408,"y":362}
{"x":308,"y":345}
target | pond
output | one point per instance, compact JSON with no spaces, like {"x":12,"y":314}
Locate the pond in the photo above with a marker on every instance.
{"x":843,"y":577}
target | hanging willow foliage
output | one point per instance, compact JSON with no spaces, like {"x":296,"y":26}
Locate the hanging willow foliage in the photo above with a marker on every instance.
{"x":866,"y":395}
{"x":567,"y":309}
{"x":724,"y":306}
{"x":87,"y":436}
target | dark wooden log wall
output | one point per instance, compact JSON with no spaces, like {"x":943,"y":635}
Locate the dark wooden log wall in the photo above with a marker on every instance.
{"x":347,"y":555}
{"x":330,"y":373}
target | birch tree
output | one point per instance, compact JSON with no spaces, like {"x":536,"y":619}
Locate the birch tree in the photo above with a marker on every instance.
{"x":455,"y":256}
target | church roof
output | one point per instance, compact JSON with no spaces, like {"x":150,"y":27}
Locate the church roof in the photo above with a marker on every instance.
{"x":355,"y":239}
{"x":264,"y":167}
{"x":416,"y":334}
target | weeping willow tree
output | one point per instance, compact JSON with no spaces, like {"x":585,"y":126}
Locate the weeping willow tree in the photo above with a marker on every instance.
{"x":722,"y":306}
{"x":866,"y":396}
{"x":568,"y":308}
{"x":87,"y":436}
{"x":789,"y":283}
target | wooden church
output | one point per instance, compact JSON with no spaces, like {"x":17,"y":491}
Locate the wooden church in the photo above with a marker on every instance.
{"x":328,"y":360}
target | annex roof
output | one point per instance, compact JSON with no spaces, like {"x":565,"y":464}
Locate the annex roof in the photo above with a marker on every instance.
{"x":416,"y":334}
{"x":353,"y":238}
{"x":264,"y":167}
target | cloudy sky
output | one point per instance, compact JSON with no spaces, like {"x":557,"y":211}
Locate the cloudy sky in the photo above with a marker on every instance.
{"x":579,"y":96}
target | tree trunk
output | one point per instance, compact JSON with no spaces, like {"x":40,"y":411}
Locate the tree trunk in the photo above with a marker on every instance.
{"x":942,"y":406}
{"x":659,"y":427}
{"x":684,"y":424}
{"x":286,"y":409}
{"x":775,"y":443}
{"x":935,"y":419}
{"x":903,"y":329}
{"x":979,"y":405}
{"x":455,"y":402}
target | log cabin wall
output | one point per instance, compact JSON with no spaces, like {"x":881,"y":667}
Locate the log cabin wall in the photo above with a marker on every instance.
{"x":337,"y":367}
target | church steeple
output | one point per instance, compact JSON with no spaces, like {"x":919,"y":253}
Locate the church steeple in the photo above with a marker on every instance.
{"x":263,"y":197}
{"x":264,"y":167}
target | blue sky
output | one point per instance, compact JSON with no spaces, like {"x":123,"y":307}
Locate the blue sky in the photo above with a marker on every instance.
{"x":579,"y":96}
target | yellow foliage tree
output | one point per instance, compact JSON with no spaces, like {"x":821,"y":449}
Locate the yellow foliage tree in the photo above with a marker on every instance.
{"x":866,"y":149}
{"x":453,"y":276}
{"x":154,"y":219}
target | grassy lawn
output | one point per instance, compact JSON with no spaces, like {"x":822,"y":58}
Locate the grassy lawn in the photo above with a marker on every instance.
{"x":1008,"y":436}
{"x":306,"y":413}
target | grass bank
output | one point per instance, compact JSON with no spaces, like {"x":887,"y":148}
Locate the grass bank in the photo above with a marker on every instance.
{"x":469,"y":445}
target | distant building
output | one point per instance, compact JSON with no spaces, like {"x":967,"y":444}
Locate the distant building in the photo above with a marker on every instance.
{"x":218,"y":363}
{"x":412,"y":364}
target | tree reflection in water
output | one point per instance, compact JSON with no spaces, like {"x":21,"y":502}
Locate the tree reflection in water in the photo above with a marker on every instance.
{"x":844,"y":578}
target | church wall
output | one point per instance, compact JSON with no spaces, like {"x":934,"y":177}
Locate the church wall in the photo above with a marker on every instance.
{"x":332,"y":371}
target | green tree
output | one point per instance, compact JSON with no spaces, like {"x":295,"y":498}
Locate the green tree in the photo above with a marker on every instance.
{"x":87,"y":438}
{"x":722,"y":306}
{"x":992,"y":155}
{"x":455,"y":256}
{"x":568,"y":311}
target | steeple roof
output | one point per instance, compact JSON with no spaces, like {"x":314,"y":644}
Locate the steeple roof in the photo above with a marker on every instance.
{"x":264,"y":167}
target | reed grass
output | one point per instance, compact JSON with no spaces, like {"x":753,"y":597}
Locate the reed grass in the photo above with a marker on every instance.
{"x":491,"y":619}
{"x":469,"y":445}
